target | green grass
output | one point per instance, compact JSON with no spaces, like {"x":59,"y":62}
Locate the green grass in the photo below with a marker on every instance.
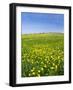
{"x":42,"y":54}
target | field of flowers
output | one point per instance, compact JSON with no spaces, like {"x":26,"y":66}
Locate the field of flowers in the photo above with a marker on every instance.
{"x":42,"y":54}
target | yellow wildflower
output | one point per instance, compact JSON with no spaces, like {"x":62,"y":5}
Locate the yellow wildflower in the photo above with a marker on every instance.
{"x":38,"y":75}
{"x":52,"y":67}
{"x":39,"y":71}
{"x":33,"y":73}
{"x":42,"y":69}
{"x":45,"y":66}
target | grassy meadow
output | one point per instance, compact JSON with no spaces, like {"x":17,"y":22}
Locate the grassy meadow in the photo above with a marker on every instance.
{"x":42,"y":54}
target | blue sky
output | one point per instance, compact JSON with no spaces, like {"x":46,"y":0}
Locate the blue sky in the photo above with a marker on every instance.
{"x":41,"y":22}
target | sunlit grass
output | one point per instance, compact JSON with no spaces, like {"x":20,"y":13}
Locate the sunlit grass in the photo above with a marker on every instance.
{"x":42,"y":54}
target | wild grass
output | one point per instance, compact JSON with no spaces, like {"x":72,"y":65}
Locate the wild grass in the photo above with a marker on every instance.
{"x":42,"y":54}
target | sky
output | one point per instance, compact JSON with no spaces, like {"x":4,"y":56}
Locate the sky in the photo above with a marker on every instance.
{"x":41,"y":22}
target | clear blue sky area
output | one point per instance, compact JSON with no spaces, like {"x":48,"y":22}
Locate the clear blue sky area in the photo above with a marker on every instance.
{"x":41,"y":22}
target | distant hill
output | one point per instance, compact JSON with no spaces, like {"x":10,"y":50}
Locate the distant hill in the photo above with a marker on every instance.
{"x":46,"y":33}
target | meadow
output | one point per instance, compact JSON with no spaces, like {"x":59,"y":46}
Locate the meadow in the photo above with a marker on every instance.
{"x":42,"y":54}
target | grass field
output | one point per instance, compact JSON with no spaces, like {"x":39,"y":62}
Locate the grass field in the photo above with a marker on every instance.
{"x":42,"y":54}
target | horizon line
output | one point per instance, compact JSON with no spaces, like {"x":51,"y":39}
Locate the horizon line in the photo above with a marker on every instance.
{"x":42,"y":32}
